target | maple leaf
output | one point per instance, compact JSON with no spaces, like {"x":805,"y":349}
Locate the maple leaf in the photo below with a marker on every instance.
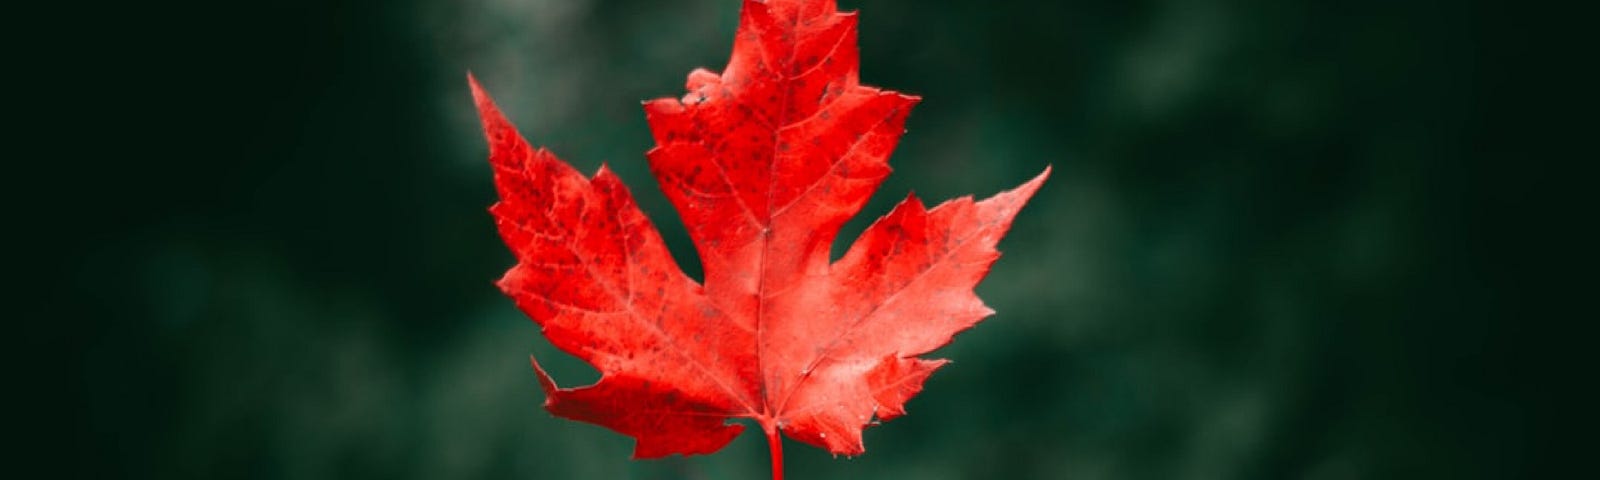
{"x":764,"y":162}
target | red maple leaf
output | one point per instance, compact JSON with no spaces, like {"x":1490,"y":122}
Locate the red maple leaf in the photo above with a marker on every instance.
{"x":764,"y":162}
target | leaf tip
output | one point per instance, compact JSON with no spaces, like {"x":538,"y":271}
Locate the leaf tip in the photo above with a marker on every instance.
{"x":545,"y":382}
{"x":493,"y":120}
{"x":479,"y":96}
{"x":1032,"y":185}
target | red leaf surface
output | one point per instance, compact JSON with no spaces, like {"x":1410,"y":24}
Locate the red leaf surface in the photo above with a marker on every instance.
{"x":764,"y":162}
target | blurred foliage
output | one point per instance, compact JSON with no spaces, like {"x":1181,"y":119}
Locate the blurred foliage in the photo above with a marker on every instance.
{"x":1265,"y":252}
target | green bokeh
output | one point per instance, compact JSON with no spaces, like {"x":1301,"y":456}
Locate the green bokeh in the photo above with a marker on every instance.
{"x":1262,"y":254}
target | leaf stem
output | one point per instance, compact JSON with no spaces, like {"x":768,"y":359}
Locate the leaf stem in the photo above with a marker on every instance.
{"x":775,"y":445}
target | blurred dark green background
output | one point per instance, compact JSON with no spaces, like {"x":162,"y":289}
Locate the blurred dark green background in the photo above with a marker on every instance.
{"x":1281,"y":240}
